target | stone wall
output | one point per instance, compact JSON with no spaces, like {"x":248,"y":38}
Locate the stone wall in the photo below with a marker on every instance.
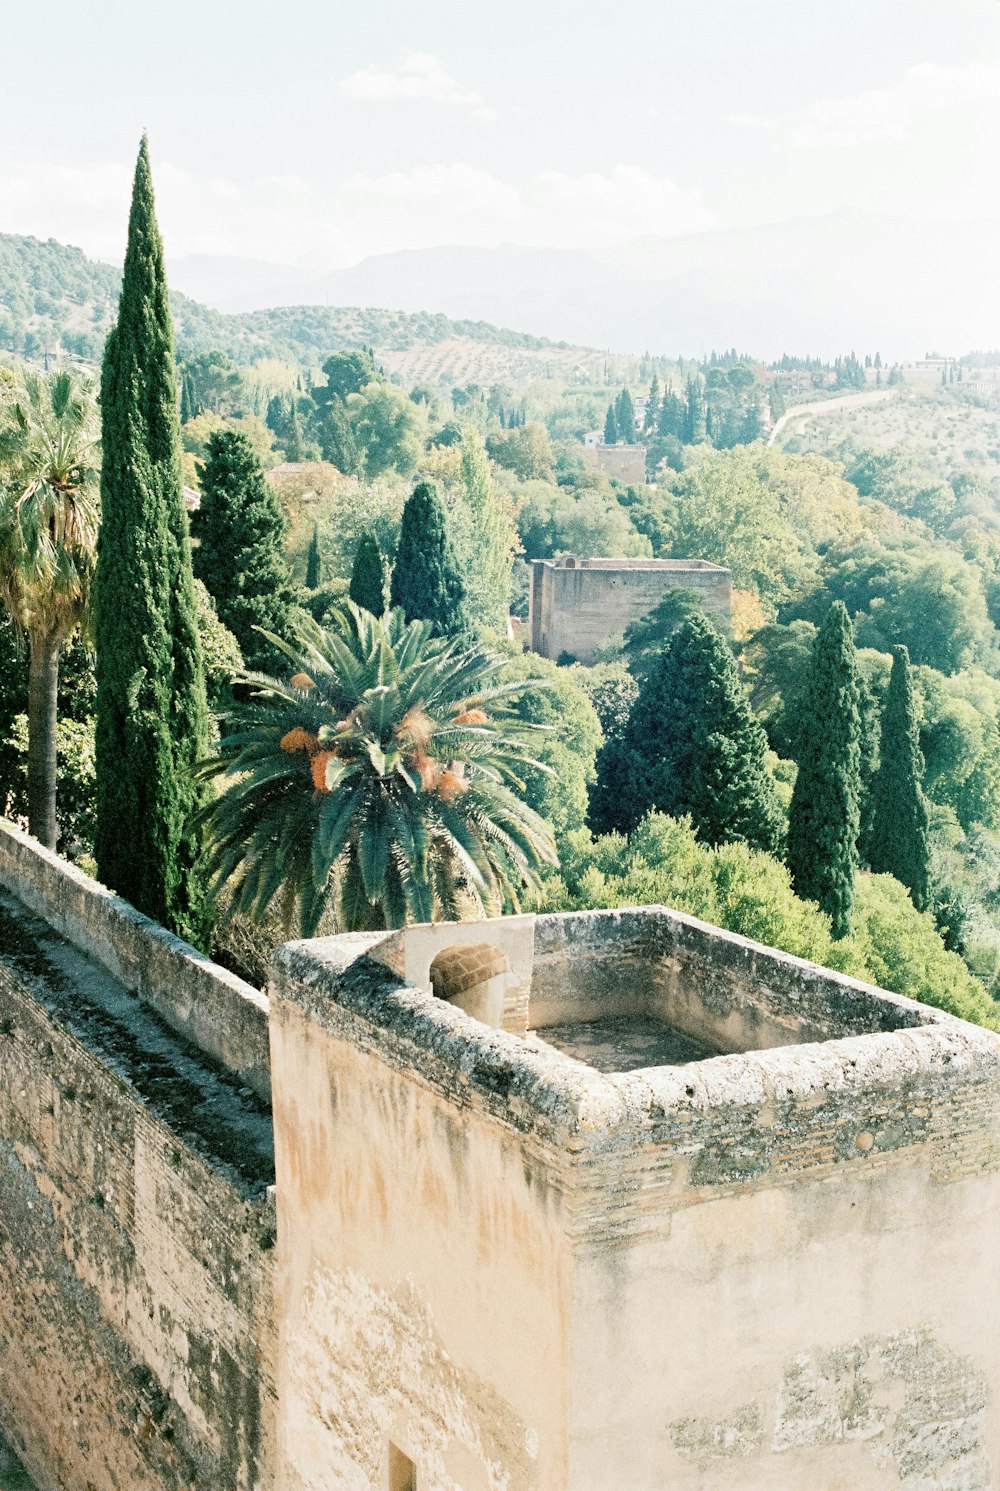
{"x":136,"y":1220}
{"x":578,"y":605}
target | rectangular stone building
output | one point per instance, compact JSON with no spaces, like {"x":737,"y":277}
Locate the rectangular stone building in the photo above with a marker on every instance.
{"x":577,"y":605}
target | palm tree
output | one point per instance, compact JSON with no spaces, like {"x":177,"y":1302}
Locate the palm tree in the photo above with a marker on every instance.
{"x":49,"y":438}
{"x":382,"y":781}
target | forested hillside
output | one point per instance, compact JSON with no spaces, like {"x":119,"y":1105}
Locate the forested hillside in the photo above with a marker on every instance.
{"x":55,"y":300}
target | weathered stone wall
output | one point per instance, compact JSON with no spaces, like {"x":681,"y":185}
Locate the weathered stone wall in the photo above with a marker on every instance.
{"x":772,"y":1270}
{"x":219,"y":1012}
{"x":136,"y":1237}
{"x":578,"y":607}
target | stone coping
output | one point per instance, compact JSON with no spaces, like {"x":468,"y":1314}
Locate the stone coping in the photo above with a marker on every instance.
{"x":213,"y":1008}
{"x":341,"y":983}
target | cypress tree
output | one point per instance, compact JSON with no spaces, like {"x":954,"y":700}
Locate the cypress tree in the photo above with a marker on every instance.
{"x":337,"y":438}
{"x":314,"y":561}
{"x":152,"y":716}
{"x":610,"y":427}
{"x":625,"y":417}
{"x":823,"y":820}
{"x":695,"y":422}
{"x":187,"y":399}
{"x":899,"y":829}
{"x":241,"y":551}
{"x":426,"y":581}
{"x":367,"y":588}
{"x":692,"y":746}
{"x":870,"y":722}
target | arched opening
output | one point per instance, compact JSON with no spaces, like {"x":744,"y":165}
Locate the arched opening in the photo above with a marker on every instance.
{"x":473,"y":976}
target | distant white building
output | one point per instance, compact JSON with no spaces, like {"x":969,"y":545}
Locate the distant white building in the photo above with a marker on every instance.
{"x":594,"y":437}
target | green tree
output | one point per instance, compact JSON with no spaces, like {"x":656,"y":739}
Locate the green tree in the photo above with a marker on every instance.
{"x":625,"y":416}
{"x":824,"y":819}
{"x":152,"y":716}
{"x":695,"y":422}
{"x":346,"y":373}
{"x":368,"y":576}
{"x":48,"y":534}
{"x":379,"y":783}
{"x":336,"y":438}
{"x":426,"y":583}
{"x":314,"y":561}
{"x":611,"y":426}
{"x":870,"y":731}
{"x":899,"y":844}
{"x":527,"y":451}
{"x":388,"y":429}
{"x":488,"y":540}
{"x":240,"y":555}
{"x":692,"y":747}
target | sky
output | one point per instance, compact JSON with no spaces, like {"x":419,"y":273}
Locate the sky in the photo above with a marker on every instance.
{"x":314,"y":133}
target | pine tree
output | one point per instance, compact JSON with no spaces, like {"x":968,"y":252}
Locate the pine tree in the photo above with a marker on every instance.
{"x":695,"y":423}
{"x":368,"y":576}
{"x":692,"y":746}
{"x":899,"y":843}
{"x":426,"y":581}
{"x":152,"y":716}
{"x":240,"y":556}
{"x":314,"y":561}
{"x":823,"y":820}
{"x":625,"y":417}
{"x":610,"y":427}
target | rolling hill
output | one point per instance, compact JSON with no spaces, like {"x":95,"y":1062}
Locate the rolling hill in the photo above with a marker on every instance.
{"x":55,"y":300}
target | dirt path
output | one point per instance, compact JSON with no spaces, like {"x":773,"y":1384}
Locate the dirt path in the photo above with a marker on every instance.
{"x":823,"y":406}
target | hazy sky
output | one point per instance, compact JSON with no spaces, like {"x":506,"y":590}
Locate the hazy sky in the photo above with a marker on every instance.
{"x":315,"y":132}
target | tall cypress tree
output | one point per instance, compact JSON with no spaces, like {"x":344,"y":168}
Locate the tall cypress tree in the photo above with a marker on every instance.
{"x":314,"y":561}
{"x":823,"y":820}
{"x":367,"y":588}
{"x":869,"y":715}
{"x":425,"y":579}
{"x":610,"y":426}
{"x":240,"y":556}
{"x":696,"y":419}
{"x":899,"y":829}
{"x":625,"y":416}
{"x":152,"y":718}
{"x":692,"y":746}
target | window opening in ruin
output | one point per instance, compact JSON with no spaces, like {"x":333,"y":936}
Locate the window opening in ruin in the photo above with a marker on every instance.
{"x":472,"y":976}
{"x":402,"y":1471}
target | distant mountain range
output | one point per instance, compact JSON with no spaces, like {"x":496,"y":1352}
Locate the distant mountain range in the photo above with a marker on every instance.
{"x":819,"y":285}
{"x":823,"y":286}
{"x":53,"y":299}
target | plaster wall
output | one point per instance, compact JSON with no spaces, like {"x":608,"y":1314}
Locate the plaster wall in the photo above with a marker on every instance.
{"x":800,"y":1290}
{"x":576,"y":609}
{"x":423,"y":1297}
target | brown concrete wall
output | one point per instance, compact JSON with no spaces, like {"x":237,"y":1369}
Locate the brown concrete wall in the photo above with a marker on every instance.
{"x":207,"y":1004}
{"x":792,"y":1283}
{"x":577,"y":610}
{"x":624,"y":462}
{"x":423,"y":1259}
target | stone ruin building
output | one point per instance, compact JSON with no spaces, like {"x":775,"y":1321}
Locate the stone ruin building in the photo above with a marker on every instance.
{"x":610,"y":1201}
{"x":576,"y":606}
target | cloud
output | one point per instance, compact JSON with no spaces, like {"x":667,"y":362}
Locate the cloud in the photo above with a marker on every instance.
{"x":289,"y":219}
{"x":420,"y":76}
{"x":892,"y":114}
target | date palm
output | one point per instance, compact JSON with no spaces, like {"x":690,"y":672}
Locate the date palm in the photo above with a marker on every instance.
{"x":49,"y":507}
{"x":381,"y":781}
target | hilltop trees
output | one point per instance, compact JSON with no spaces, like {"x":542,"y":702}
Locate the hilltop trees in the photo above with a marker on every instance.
{"x":426,"y":583}
{"x":823,"y":821}
{"x":152,"y":717}
{"x":692,"y":747}
{"x":898,"y":836}
{"x":48,"y":535}
{"x":240,"y":554}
